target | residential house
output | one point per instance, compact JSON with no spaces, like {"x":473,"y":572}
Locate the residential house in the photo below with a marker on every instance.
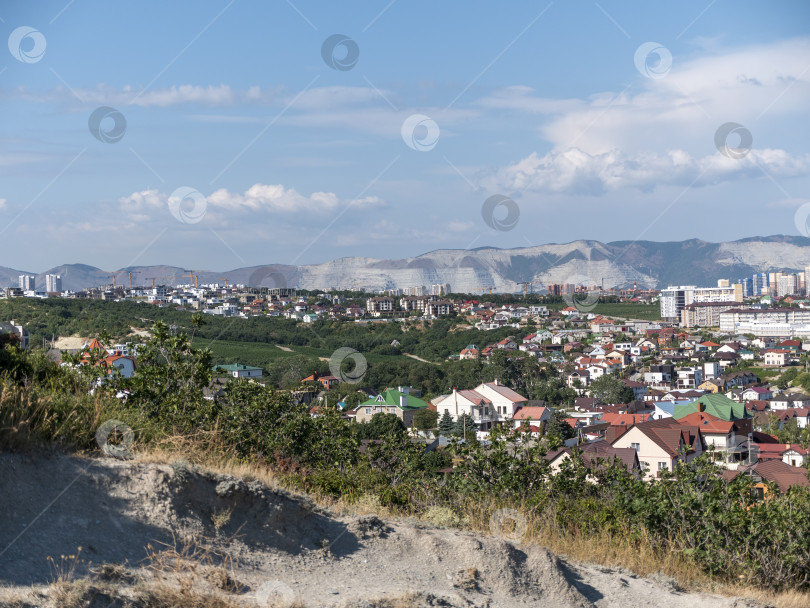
{"x":471,"y":352}
{"x":776,"y":358}
{"x":594,"y":454}
{"x":391,"y":401}
{"x":327,"y":381}
{"x":756,"y":393}
{"x":237,"y":370}
{"x":788,"y":400}
{"x":531,"y":414}
{"x":661,"y":444}
{"x":775,"y":471}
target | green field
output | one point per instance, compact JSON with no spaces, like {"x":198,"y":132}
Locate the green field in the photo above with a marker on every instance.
{"x":260,"y":354}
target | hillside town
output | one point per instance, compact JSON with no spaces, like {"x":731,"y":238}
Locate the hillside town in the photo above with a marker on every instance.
{"x":713,"y":378}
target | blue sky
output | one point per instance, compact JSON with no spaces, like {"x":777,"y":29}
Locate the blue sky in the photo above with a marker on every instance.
{"x":297,"y":162}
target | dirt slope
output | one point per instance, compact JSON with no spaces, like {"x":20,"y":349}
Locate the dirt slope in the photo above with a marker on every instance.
{"x":285,"y":549}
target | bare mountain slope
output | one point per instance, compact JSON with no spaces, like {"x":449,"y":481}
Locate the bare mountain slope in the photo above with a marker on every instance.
{"x":618,"y":264}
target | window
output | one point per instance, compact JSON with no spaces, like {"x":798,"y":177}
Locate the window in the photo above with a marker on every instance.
{"x":636,"y":447}
{"x":645,"y":466}
{"x":368,"y":410}
{"x":662,"y":466}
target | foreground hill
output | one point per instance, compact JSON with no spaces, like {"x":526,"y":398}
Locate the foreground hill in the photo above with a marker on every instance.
{"x":152,"y":535}
{"x":619,"y":264}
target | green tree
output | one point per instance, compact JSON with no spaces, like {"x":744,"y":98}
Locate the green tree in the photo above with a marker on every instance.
{"x":557,"y":430}
{"x":465,"y":426}
{"x":381,"y":426}
{"x":425,"y":419}
{"x":446,"y":425}
{"x":611,"y":390}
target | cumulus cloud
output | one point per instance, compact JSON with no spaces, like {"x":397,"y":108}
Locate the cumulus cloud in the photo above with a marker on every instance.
{"x":574,"y":170}
{"x":661,"y":131}
{"x":3,"y":203}
{"x":259,"y":198}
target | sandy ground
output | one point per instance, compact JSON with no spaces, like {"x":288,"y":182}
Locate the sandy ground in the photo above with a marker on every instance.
{"x":284,"y":348}
{"x":419,"y":358}
{"x":283,"y":547}
{"x":70,"y":343}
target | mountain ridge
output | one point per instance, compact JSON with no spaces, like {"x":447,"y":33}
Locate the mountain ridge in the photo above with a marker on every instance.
{"x":649,"y":264}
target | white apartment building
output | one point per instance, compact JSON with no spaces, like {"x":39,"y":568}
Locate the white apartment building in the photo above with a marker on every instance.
{"x":675,"y":298}
{"x":53,"y":283}
{"x":28,"y":282}
{"x":767,"y":322}
{"x":786,"y":284}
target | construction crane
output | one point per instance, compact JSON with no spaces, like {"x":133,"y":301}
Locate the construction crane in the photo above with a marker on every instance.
{"x":226,"y":281}
{"x":526,"y":286}
{"x":130,"y":279}
{"x":192,"y":278}
{"x":487,"y":289}
{"x":114,"y":276}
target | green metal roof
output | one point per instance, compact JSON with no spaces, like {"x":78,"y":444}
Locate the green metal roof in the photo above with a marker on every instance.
{"x":391,"y":397}
{"x":715,"y":404}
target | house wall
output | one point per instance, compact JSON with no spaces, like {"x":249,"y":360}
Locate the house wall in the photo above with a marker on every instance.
{"x":365,"y":413}
{"x":648,"y":452}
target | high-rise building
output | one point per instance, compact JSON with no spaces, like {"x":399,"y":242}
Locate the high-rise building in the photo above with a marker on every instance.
{"x":785,"y":285}
{"x":761,"y":284}
{"x":53,"y":283}
{"x":28,"y":282}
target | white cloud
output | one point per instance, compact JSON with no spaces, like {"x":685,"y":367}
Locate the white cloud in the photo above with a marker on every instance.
{"x":3,"y":203}
{"x":574,"y":170}
{"x":663,"y":133}
{"x":259,"y":198}
{"x":272,"y":198}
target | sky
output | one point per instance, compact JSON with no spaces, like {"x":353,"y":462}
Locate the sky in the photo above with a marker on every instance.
{"x":230,"y":133}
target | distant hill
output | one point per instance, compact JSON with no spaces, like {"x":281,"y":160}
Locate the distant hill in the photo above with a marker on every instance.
{"x":618,"y":264}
